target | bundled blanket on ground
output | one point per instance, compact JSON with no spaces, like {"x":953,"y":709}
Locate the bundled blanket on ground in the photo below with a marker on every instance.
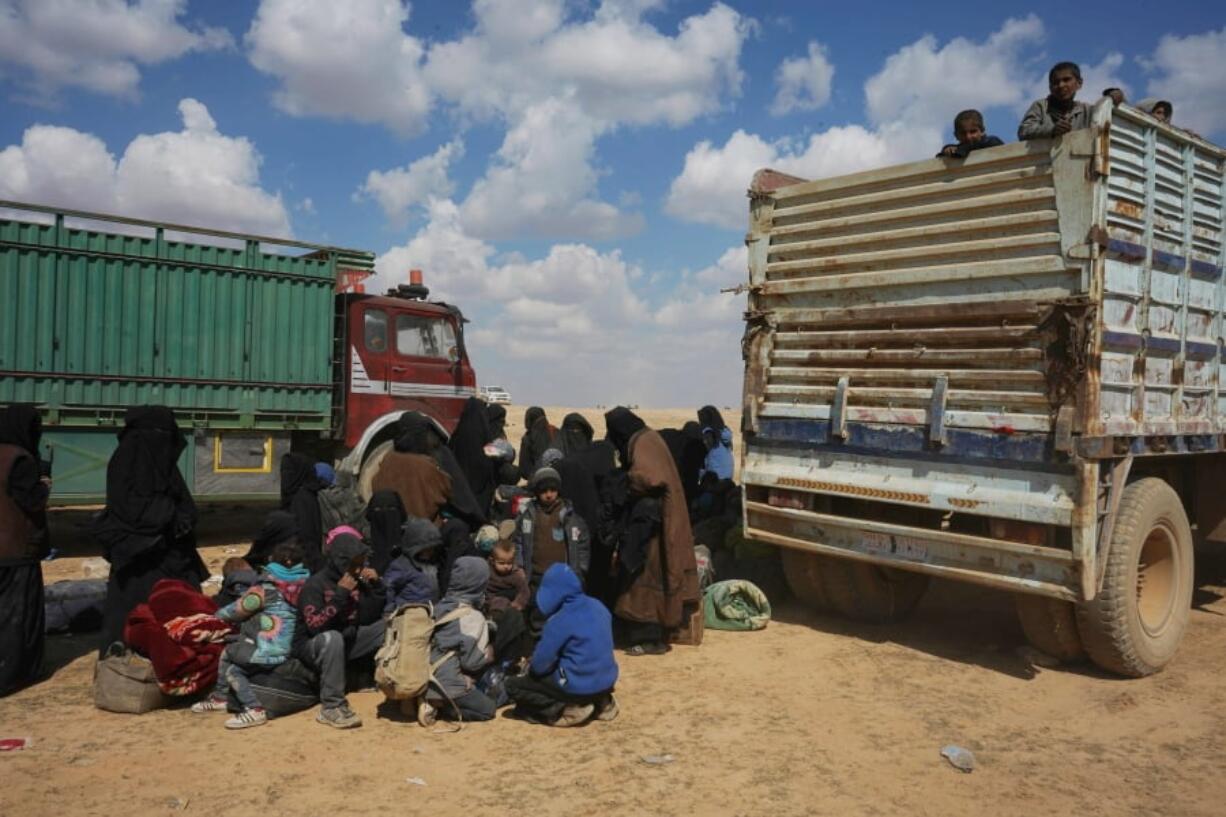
{"x":735,"y":605}
{"x":177,"y":630}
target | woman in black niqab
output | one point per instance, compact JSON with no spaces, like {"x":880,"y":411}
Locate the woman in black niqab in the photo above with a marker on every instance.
{"x":23,"y":541}
{"x":497,"y":416}
{"x":300,"y":489}
{"x":386,"y":515}
{"x":538,"y":438}
{"x":148,"y":527}
{"x":417,"y":435}
{"x":467,"y":443}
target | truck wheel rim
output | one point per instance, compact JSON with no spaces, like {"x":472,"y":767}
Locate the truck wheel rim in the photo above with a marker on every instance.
{"x":1156,"y":580}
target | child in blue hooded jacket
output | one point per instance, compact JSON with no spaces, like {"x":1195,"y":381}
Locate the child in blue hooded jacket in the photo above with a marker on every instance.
{"x":572,"y":673}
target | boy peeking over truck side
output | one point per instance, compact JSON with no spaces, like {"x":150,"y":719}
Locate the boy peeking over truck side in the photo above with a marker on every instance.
{"x":971,"y":134}
{"x":1059,"y":112}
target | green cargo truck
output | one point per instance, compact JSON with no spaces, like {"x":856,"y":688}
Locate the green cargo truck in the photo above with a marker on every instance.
{"x":260,"y":345}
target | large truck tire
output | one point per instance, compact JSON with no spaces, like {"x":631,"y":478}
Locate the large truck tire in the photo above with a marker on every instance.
{"x":804,"y":574}
{"x":370,"y":467}
{"x":873,"y":593}
{"x":1050,"y":626}
{"x":1134,"y":625}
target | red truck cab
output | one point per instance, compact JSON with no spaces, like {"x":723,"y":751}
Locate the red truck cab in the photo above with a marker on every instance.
{"x":404,"y":354}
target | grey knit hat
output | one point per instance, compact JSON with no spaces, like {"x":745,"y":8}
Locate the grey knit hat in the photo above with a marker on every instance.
{"x":545,"y":478}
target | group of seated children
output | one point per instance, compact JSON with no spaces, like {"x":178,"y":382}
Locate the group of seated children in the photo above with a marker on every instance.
{"x":513,"y":626}
{"x":1055,"y":115}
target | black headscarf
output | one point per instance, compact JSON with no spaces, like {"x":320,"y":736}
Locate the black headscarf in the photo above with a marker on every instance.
{"x":21,"y":425}
{"x":385,"y":513}
{"x":416,"y":434}
{"x":467,"y":443}
{"x":497,"y":416}
{"x":300,"y":496}
{"x":278,"y":527}
{"x":576,"y":434}
{"x":709,"y":417}
{"x":621,"y":424}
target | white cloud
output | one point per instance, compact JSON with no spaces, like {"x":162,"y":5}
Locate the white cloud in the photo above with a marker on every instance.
{"x":924,"y":86}
{"x":571,"y":327}
{"x":401,"y":189}
{"x":712,"y":185}
{"x":1187,"y":71}
{"x":542,"y":183}
{"x":350,"y":60}
{"x":195,"y":176}
{"x":617,"y":67}
{"x":803,"y":82}
{"x":557,"y":75}
{"x":97,"y":45}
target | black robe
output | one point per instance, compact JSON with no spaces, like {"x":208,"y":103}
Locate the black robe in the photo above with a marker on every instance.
{"x":689,"y":453}
{"x":467,"y":443}
{"x":147,"y":530}
{"x":300,"y":489}
{"x":538,"y":438}
{"x":22,"y":616}
{"x":583,"y":474}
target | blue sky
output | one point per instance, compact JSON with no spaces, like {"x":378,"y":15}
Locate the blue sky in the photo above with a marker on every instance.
{"x":571,"y":173}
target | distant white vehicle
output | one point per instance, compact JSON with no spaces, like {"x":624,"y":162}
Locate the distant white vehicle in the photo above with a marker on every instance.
{"x":496,"y":394}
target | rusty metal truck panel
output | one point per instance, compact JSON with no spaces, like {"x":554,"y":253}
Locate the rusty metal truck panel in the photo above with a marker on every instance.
{"x":940,"y":354}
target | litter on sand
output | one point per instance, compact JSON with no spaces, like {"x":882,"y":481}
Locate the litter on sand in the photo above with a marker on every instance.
{"x":959,"y":758}
{"x":15,"y":744}
{"x":416,"y":781}
{"x":657,"y":760}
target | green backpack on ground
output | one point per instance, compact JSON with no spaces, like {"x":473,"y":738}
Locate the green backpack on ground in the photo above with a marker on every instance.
{"x":735,"y":604}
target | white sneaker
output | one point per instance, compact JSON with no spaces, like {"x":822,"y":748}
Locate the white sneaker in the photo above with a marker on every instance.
{"x":248,"y":717}
{"x":209,"y":704}
{"x":427,"y":713}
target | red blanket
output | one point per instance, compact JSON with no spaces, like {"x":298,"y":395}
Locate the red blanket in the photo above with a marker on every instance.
{"x":177,"y":631}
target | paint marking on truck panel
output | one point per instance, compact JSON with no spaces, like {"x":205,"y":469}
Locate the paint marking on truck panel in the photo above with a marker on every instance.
{"x":852,"y":490}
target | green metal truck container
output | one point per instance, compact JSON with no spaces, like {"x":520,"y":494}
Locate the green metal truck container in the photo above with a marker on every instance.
{"x":245,"y":337}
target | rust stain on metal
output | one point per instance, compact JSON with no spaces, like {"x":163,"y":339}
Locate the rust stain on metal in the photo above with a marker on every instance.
{"x":852,"y":490}
{"x":1065,"y":333}
{"x":1129,"y":210}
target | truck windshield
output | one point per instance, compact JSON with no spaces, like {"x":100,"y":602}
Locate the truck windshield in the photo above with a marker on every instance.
{"x":422,"y":336}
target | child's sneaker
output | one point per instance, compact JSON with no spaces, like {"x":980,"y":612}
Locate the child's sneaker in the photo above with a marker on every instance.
{"x":427,"y":713}
{"x":248,"y":717}
{"x":575,"y":715}
{"x":340,"y":717}
{"x":209,"y":704}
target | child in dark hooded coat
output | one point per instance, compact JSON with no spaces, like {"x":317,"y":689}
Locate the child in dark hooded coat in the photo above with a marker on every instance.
{"x":572,"y":672}
{"x":412,"y":578}
{"x":462,"y":646}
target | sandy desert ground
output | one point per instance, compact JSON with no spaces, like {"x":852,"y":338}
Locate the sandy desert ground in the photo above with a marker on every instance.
{"x":813,"y":715}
